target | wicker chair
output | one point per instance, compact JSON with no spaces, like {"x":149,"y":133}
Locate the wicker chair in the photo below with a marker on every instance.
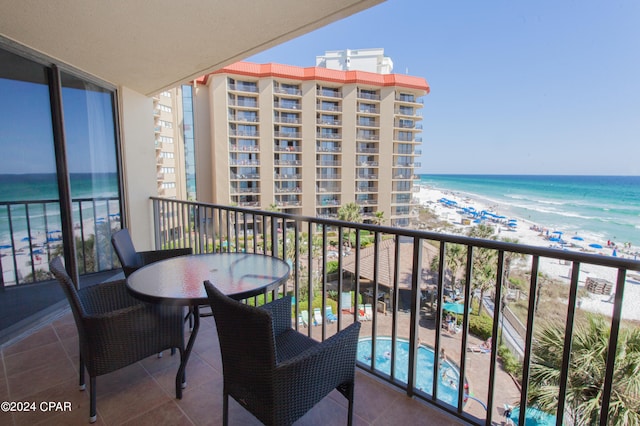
{"x":115,"y":329}
{"x":275,"y":372}
{"x":132,"y":260}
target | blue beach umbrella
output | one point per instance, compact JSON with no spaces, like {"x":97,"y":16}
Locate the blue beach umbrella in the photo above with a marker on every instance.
{"x":595,"y":246}
{"x":5,"y":246}
{"x":577,"y":238}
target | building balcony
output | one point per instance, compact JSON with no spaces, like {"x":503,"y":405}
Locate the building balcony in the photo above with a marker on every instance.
{"x":287,"y":162}
{"x":327,"y":122}
{"x":286,"y":148}
{"x":243,"y":148}
{"x":246,"y":176}
{"x":328,"y":94}
{"x":285,"y":176}
{"x":287,"y":120}
{"x":328,"y":163}
{"x":414,"y":317}
{"x":367,"y":110}
{"x":242,"y":162}
{"x":367,"y":137}
{"x":247,"y":133}
{"x":328,"y":149}
{"x":288,"y":91}
{"x":250,"y":88}
{"x":242,"y":119}
{"x":244,"y":103}
{"x":368,"y":96}
{"x":331,"y":108}
{"x":287,"y":105}
{"x":287,"y":135}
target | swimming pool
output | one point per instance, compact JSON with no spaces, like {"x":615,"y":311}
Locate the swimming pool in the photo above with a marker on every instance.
{"x":449,"y":373}
{"x":534,"y":417}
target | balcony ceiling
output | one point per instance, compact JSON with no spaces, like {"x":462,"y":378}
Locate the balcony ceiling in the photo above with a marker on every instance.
{"x":151,"y":45}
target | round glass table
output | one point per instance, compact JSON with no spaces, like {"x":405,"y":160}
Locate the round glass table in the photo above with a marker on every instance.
{"x":180,"y":281}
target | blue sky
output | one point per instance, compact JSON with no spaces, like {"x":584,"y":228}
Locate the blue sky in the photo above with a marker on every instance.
{"x":517,"y":87}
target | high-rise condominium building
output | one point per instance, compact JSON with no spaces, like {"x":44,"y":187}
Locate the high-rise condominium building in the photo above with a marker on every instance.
{"x":174,"y":141}
{"x":309,"y":140}
{"x":371,"y":60}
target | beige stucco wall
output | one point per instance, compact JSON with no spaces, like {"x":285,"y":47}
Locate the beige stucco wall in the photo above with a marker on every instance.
{"x":138,"y":165}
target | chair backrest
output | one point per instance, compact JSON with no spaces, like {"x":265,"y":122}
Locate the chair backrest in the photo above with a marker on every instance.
{"x":126,"y":252}
{"x":247,"y":342}
{"x":77,"y":308}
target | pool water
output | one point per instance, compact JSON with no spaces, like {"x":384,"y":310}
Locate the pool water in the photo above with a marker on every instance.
{"x":534,"y":417}
{"x":449,"y":373}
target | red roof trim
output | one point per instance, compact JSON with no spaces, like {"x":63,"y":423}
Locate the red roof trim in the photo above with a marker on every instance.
{"x":321,"y":74}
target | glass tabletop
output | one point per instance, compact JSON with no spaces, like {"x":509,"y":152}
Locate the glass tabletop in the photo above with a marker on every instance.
{"x":180,"y":280}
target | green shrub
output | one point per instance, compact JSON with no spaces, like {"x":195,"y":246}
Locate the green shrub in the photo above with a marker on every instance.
{"x":332,"y":267}
{"x":509,"y":361}
{"x":481,"y":326}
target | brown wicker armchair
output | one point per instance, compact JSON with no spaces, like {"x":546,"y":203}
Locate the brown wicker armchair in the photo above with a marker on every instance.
{"x":132,"y":260}
{"x":115,"y":329}
{"x":275,"y":372}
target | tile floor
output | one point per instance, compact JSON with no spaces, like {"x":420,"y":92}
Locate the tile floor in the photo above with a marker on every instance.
{"x":42,"y":366}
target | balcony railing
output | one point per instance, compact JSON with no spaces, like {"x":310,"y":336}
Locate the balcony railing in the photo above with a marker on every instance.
{"x":401,"y":283}
{"x":31,"y":236}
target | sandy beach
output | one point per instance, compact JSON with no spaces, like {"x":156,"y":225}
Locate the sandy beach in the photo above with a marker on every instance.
{"x":526,"y":232}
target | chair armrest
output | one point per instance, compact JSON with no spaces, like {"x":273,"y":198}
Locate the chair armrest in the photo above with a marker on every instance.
{"x":281,"y":313}
{"x":156,"y":255}
{"x":106,"y":298}
{"x":320,"y":368}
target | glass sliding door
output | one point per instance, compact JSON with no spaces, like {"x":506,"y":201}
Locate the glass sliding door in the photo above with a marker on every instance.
{"x":93,"y":169}
{"x":31,"y":219}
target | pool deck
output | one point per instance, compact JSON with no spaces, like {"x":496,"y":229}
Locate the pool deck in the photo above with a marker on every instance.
{"x":477,"y":364}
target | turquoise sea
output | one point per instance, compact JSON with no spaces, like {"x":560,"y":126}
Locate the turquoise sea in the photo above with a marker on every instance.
{"x":43,"y":214}
{"x":602,"y":207}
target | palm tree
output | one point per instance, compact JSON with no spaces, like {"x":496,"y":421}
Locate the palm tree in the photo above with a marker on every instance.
{"x":586,"y":372}
{"x":455,"y":255}
{"x":484,"y":263}
{"x":350,"y":212}
{"x":378,"y":218}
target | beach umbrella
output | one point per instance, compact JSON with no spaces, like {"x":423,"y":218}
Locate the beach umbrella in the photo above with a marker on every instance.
{"x":5,"y":246}
{"x":456,"y":308}
{"x":557,"y":232}
{"x":595,"y":246}
{"x":27,"y":239}
{"x":577,"y":238}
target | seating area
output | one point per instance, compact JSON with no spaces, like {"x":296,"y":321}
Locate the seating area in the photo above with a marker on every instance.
{"x":42,"y":366}
{"x":275,"y":372}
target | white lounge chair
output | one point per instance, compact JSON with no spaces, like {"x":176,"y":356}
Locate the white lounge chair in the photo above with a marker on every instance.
{"x":317,"y":316}
{"x":304,"y":317}
{"x":329,"y":314}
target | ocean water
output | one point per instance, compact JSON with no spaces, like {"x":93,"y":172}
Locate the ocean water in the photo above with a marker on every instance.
{"x":600,"y":207}
{"x":45,"y":217}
